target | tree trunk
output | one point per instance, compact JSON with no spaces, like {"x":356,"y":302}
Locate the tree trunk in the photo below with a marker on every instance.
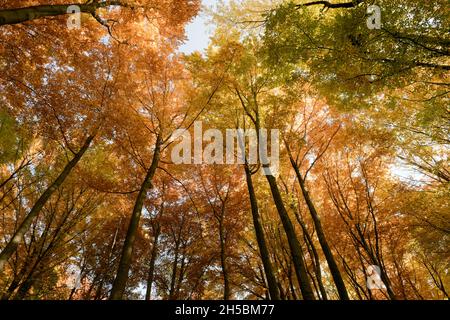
{"x":182,"y":272}
{"x":312,"y":252}
{"x":332,"y":265}
{"x":120,"y":281}
{"x":260,"y":238}
{"x":154,"y":255}
{"x":24,"y":226}
{"x":316,"y":261}
{"x":294,"y":244}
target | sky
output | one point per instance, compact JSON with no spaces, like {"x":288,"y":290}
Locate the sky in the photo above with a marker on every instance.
{"x":198,"y":31}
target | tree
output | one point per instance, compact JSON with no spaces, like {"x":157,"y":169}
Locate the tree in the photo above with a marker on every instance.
{"x":310,"y":134}
{"x":100,"y":194}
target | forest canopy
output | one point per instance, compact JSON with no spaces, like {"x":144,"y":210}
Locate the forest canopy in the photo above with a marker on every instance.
{"x":303,"y":155}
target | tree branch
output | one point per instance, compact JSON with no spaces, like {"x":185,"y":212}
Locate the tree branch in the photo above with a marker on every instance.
{"x":19,"y":15}
{"x":330,"y":5}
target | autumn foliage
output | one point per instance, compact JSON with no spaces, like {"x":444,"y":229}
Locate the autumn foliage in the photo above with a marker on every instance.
{"x":93,"y":207}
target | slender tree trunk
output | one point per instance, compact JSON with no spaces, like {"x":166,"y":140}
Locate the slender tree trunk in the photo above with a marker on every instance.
{"x":40,"y":203}
{"x":332,"y":265}
{"x":294,"y":244}
{"x":316,"y":262}
{"x":72,"y":293}
{"x":151,"y":272}
{"x":313,"y":280}
{"x":260,"y":238}
{"x":357,"y":288}
{"x":384,"y":276}
{"x":286,"y":263}
{"x":181,"y":273}
{"x":437,"y":279}
{"x":121,"y":279}
{"x":312,"y":252}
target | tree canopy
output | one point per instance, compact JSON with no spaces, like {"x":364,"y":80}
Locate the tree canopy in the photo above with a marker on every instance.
{"x":356,"y":116}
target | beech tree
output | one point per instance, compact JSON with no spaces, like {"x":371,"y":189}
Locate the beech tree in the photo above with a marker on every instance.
{"x":93,"y":106}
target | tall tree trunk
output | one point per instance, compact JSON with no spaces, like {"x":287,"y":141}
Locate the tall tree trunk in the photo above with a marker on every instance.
{"x":316,"y":262}
{"x":151,"y":271}
{"x":182,"y":272}
{"x":332,"y":265}
{"x":121,"y":279}
{"x":294,"y":244}
{"x":25,"y":225}
{"x":312,"y":252}
{"x":260,"y":238}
